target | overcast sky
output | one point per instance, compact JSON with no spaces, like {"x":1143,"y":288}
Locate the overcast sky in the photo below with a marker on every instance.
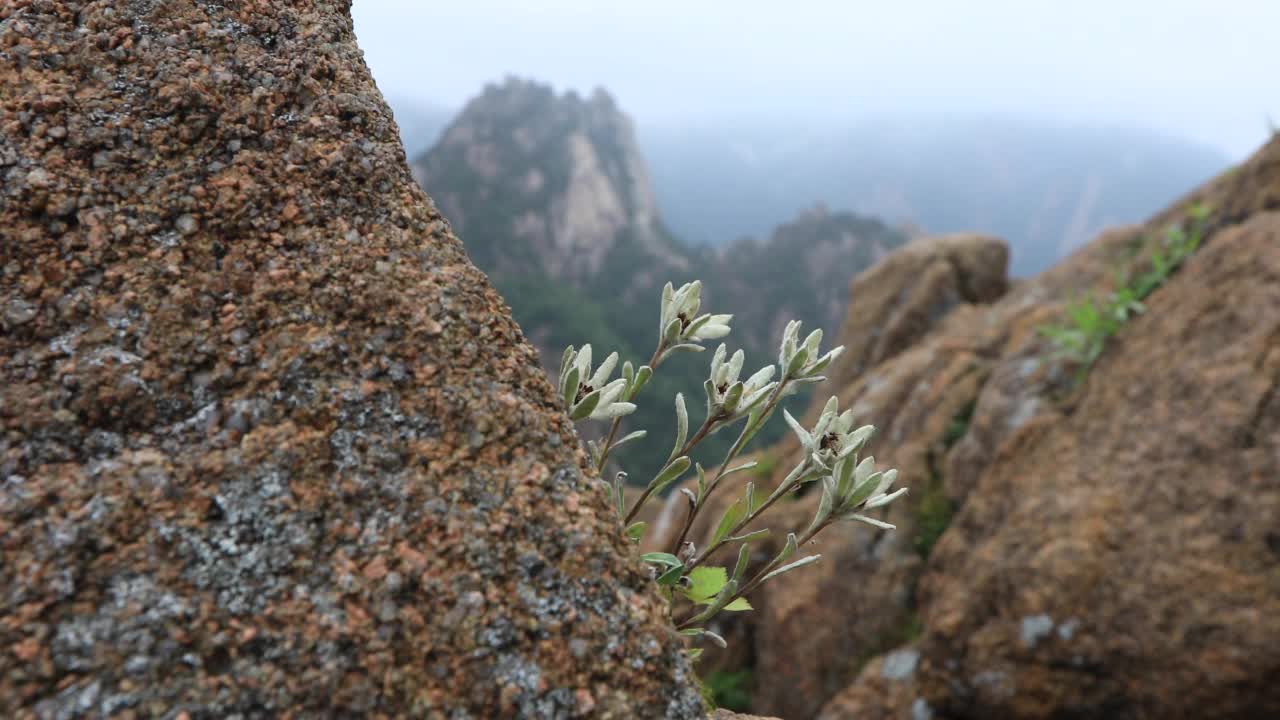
{"x":1208,"y":70}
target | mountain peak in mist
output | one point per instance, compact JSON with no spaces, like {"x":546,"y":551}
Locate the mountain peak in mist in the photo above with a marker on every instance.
{"x":539,"y":179}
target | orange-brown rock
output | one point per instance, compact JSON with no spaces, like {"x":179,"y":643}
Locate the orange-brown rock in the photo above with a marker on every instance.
{"x":1138,"y":504}
{"x":888,"y":313}
{"x":1119,"y":557}
{"x":270,"y":446}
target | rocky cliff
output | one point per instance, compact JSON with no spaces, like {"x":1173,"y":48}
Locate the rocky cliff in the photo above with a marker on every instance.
{"x":547,"y":183}
{"x":1096,"y":545}
{"x":270,"y":445}
{"x":552,"y":199}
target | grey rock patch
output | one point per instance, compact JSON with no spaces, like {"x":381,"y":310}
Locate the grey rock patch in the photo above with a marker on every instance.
{"x":1035,"y":628}
{"x":900,"y":664}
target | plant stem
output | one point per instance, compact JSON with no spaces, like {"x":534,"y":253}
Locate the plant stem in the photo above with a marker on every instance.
{"x":782,"y":489}
{"x":759,"y":576}
{"x":707,"y":426}
{"x":617,"y":422}
{"x":749,"y":430}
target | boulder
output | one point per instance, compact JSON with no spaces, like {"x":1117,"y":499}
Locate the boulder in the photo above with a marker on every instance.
{"x":1111,"y":552}
{"x":971,"y":409}
{"x":1120,"y":559}
{"x":899,"y":299}
{"x":270,"y":445}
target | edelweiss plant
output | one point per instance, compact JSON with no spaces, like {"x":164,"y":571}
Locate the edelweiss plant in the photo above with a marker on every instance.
{"x":850,"y":484}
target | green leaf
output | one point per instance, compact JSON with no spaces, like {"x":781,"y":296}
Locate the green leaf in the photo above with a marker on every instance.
{"x":642,"y":377}
{"x":682,"y":426}
{"x":788,"y":549}
{"x":751,"y":496}
{"x":730,"y":518}
{"x":633,"y":435}
{"x":792,"y":566}
{"x":744,"y":555}
{"x":706,"y":583}
{"x":694,"y":653}
{"x":671,"y":332}
{"x":571,"y":387}
{"x":564,"y":363}
{"x":738,"y":605}
{"x":797,"y":361}
{"x":702,"y":482}
{"x":686,"y":347}
{"x":672,"y":576}
{"x":635,"y":531}
{"x":661,"y":558}
{"x":733,"y":397}
{"x":863,"y":491}
{"x":670,"y":473}
{"x":751,"y":536}
{"x":587,"y":405}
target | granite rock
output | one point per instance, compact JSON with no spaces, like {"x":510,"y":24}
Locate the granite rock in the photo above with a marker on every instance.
{"x":270,"y":444}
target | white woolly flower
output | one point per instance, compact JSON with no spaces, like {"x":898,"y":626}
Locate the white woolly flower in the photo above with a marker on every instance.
{"x":833,"y":437}
{"x":588,"y":394}
{"x":861,"y":487}
{"x":725,"y":391}
{"x":800,"y":361}
{"x":680,"y":326}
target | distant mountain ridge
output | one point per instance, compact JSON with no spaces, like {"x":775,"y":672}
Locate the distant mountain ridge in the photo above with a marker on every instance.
{"x":1045,"y":188}
{"x":543,"y":184}
{"x":553,"y":198}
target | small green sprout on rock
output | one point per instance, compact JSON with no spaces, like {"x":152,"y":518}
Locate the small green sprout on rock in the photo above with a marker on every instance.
{"x":850,"y":484}
{"x":1090,"y":322}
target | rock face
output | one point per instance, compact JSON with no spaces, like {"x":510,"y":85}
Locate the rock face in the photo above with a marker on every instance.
{"x":270,"y":445}
{"x":800,"y":272}
{"x":888,"y":315}
{"x":1101,"y":549}
{"x":527,"y":176}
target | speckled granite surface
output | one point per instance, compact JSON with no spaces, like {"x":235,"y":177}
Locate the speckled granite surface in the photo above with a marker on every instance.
{"x":269,"y":444}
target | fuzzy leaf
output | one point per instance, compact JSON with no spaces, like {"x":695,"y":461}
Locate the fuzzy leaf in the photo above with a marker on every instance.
{"x":587,"y":405}
{"x":634,"y":435}
{"x":661,"y":558}
{"x":751,"y":536}
{"x":635,"y":531}
{"x":672,"y":331}
{"x":682,"y":426}
{"x":642,"y":376}
{"x":564,"y":363}
{"x":687,"y":347}
{"x":744,"y":555}
{"x":788,"y":549}
{"x":733,"y":397}
{"x":672,"y":576}
{"x":797,"y":361}
{"x":738,"y":605}
{"x":730,"y":518}
{"x":571,"y":387}
{"x":670,"y":473}
{"x":792,"y":566}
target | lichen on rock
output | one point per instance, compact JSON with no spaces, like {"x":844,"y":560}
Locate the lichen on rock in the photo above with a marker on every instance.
{"x":270,"y":445}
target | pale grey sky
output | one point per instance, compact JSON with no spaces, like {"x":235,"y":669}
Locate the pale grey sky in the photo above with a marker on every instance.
{"x":1208,"y":70}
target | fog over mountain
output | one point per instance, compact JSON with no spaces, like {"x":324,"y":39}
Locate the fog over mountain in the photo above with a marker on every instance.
{"x":1189,"y":68}
{"x":1044,"y":187}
